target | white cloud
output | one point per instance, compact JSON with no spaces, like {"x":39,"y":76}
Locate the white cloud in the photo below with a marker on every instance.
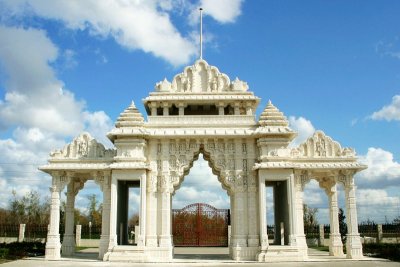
{"x":389,"y":112}
{"x":98,"y":124}
{"x":224,"y":11}
{"x":377,"y":197}
{"x":303,"y":127}
{"x":143,"y":25}
{"x":201,"y":186}
{"x":69,"y":57}
{"x":39,"y":113}
{"x":33,"y":97}
{"x":383,"y":170}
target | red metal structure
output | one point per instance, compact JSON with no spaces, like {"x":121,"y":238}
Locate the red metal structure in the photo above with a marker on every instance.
{"x":200,"y":224}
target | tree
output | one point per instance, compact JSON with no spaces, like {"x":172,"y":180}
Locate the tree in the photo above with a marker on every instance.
{"x":342,"y":225}
{"x":28,"y":209}
{"x":310,"y":217}
{"x":94,"y":210}
{"x":133,"y":220}
{"x":310,"y":221}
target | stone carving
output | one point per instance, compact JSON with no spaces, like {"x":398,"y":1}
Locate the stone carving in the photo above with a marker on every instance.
{"x":164,"y":86}
{"x":201,"y":77}
{"x":83,"y":146}
{"x":239,"y":86}
{"x":321,"y":146}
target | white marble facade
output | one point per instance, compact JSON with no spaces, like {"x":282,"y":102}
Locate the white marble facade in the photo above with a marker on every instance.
{"x":202,"y":111}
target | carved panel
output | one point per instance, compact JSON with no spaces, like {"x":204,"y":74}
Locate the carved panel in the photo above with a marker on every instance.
{"x":201,"y":77}
{"x":321,"y":146}
{"x":83,"y":146}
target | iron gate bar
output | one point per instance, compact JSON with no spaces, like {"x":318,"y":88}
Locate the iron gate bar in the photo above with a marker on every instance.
{"x":200,"y":224}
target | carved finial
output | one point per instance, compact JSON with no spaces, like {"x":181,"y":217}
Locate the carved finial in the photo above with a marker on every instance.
{"x":133,"y":104}
{"x":201,"y":32}
{"x":269,"y":102}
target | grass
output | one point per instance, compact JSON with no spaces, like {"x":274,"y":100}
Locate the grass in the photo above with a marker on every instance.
{"x":82,"y":248}
{"x":322,"y":248}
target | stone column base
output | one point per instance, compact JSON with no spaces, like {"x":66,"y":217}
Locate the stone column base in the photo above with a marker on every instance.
{"x":244,"y":253}
{"x":53,"y":247}
{"x":151,"y":241}
{"x":253,"y":241}
{"x":335,"y":245}
{"x":354,"y":247}
{"x":139,"y":254}
{"x":68,"y":245}
{"x":165,"y":241}
{"x":103,"y":245}
{"x":281,"y":253}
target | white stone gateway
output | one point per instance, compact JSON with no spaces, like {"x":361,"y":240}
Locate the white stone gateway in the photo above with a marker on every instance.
{"x":202,"y":111}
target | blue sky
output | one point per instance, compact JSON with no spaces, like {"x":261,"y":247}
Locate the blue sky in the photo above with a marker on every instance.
{"x":73,"y":66}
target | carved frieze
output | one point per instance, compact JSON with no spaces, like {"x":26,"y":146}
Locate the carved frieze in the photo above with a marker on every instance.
{"x":201,"y":77}
{"x":83,"y":147}
{"x":321,"y":146}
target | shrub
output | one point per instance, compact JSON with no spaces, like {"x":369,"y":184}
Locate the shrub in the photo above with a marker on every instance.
{"x":3,"y":253}
{"x":17,"y":250}
{"x":387,"y":251}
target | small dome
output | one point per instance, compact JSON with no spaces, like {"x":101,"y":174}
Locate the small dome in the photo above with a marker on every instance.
{"x":131,"y":117}
{"x":271,"y":116}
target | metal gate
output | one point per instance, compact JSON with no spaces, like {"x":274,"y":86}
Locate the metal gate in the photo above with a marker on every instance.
{"x":200,"y":224}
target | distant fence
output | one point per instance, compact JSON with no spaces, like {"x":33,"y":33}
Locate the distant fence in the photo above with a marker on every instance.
{"x":389,"y":232}
{"x":375,"y":232}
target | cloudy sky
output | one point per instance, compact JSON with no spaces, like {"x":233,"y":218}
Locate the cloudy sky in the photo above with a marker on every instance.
{"x":73,"y":66}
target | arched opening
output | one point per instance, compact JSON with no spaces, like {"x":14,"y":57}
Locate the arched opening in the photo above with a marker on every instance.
{"x":316,"y":215}
{"x":81,"y":216}
{"x":277,"y":212}
{"x":201,"y":214}
{"x":128,"y":212}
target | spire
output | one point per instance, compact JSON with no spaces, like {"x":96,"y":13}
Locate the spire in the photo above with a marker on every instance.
{"x":201,"y":32}
{"x":130,"y":117}
{"x":271,"y":116}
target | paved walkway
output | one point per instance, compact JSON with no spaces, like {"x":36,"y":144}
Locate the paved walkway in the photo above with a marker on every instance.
{"x":200,"y":257}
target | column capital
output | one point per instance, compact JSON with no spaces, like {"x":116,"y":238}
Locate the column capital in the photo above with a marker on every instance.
{"x":302,"y":177}
{"x":327,"y":183}
{"x":346,"y":178}
{"x":60,"y":180}
{"x":102,"y":178}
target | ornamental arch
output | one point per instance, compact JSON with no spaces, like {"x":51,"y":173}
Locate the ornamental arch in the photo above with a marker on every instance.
{"x":202,"y":111}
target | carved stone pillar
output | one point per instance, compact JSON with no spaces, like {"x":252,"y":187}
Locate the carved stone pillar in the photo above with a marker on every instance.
{"x":153,"y":107}
{"x":113,"y":241}
{"x":236,"y":108}
{"x":353,"y":242}
{"x":142,"y":211}
{"x":152,"y":216}
{"x":301,"y":178}
{"x":53,"y":245}
{"x":68,"y":245}
{"x":291,"y":194}
{"x":165,"y":109}
{"x":165,"y":203}
{"x":104,"y":180}
{"x":239,"y":237}
{"x":151,"y":233}
{"x":221,"y":107}
{"x":248,"y":152}
{"x":253,"y":237}
{"x":335,"y":241}
{"x":262,"y":217}
{"x":166,"y":188}
{"x":249,"y":109}
{"x":181,"y":107}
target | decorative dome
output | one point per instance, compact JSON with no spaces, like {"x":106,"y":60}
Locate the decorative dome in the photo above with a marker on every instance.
{"x":131,"y":117}
{"x":271,"y":116}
